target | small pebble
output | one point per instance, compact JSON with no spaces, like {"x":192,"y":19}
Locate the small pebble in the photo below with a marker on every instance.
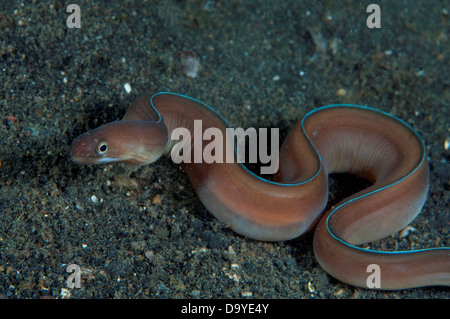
{"x":157,"y":200}
{"x":341,"y":92}
{"x":94,"y":199}
{"x":149,"y":254}
{"x":447,"y":144}
{"x":231,"y":253}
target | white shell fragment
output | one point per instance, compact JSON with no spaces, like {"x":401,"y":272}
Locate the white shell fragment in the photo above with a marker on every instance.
{"x":190,"y":63}
{"x":127,"y":87}
{"x":64,"y":294}
{"x":406,"y":231}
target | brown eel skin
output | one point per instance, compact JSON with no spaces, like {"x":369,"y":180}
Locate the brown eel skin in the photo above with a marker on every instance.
{"x":333,"y":139}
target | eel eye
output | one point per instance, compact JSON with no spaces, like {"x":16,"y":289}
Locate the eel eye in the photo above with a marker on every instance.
{"x":102,"y":147}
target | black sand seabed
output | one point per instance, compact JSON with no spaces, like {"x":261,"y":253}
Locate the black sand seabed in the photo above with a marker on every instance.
{"x":142,"y":232}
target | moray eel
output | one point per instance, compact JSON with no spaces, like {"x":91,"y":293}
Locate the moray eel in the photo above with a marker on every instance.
{"x":333,"y":139}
